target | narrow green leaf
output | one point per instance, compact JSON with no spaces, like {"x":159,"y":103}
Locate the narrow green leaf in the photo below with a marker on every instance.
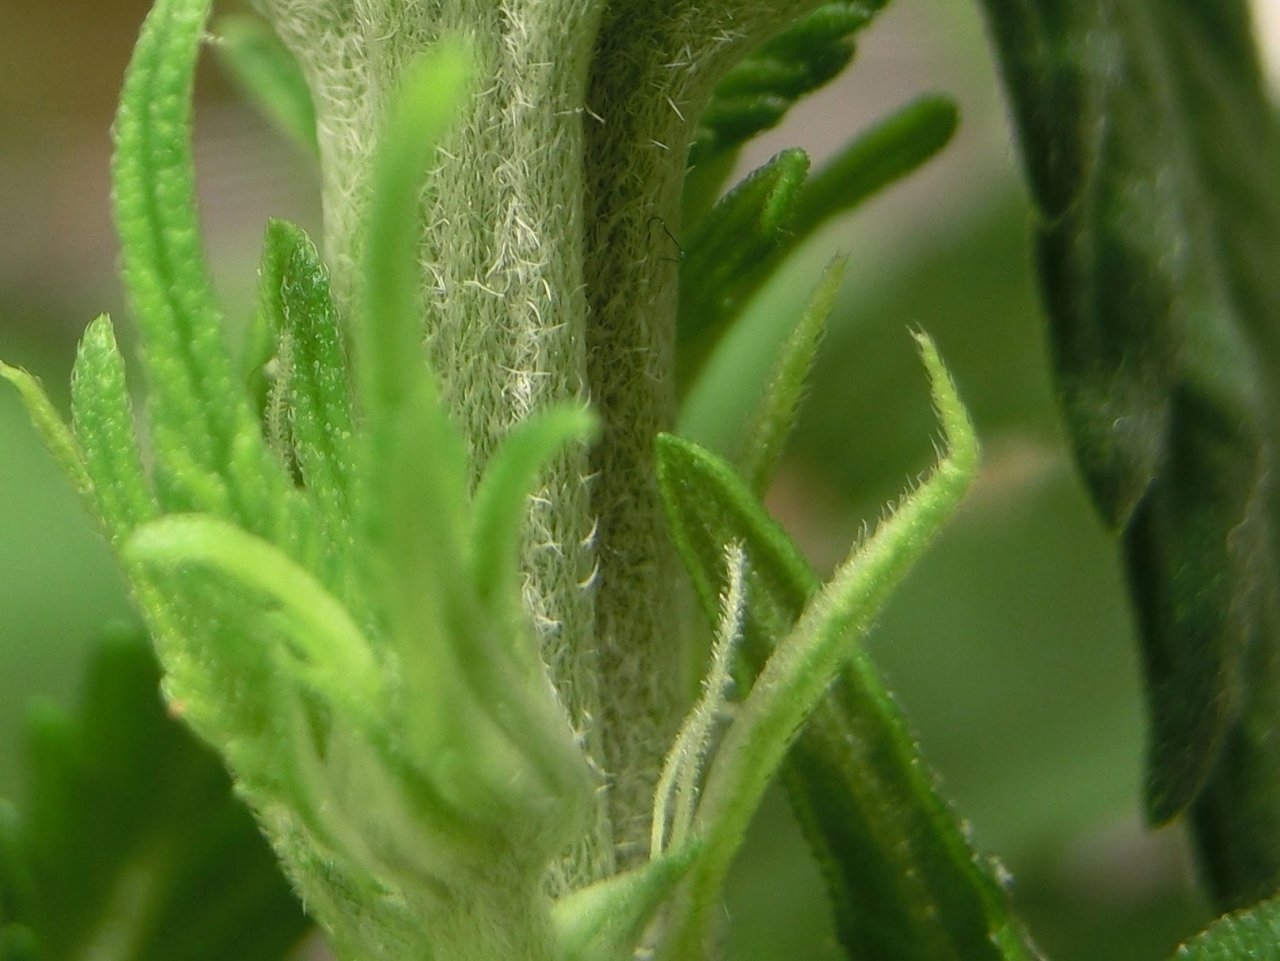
{"x":903,"y":880}
{"x":105,"y":428}
{"x":416,"y":468}
{"x":313,"y":382}
{"x":502,"y":498}
{"x":265,"y":71}
{"x":606,"y":921}
{"x":735,"y":241}
{"x":1252,"y":935}
{"x":389,"y":329}
{"x":330,"y":650}
{"x":775,"y":416}
{"x":722,"y":271}
{"x":873,"y":160}
{"x":132,"y":843}
{"x":676,"y":794}
{"x":758,"y":92}
{"x":53,"y":430}
{"x":1153,"y":154}
{"x":194,"y":402}
{"x":708,"y":506}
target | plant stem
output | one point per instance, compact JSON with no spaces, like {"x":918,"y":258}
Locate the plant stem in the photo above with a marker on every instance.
{"x":550,"y":273}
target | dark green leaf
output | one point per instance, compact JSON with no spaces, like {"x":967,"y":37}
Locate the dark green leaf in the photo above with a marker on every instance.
{"x":758,"y":92}
{"x":1252,"y":935}
{"x":130,"y":844}
{"x":1154,"y":156}
{"x":15,"y":880}
{"x":18,"y":944}
{"x":733,"y":250}
{"x":752,"y":230}
{"x":888,"y":151}
{"x":903,"y":879}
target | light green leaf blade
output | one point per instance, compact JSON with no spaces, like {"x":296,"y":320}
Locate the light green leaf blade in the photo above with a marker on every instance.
{"x":514,"y":760}
{"x":775,"y":416}
{"x":106,"y":430}
{"x":1152,"y":153}
{"x":469,"y":658}
{"x":389,"y":324}
{"x":415,"y":471}
{"x":330,"y":651}
{"x":1252,"y":935}
{"x":502,"y":499}
{"x":903,"y":879}
{"x":129,"y":838}
{"x":606,"y":921}
{"x":313,"y":384}
{"x":58,"y":438}
{"x":267,"y":74}
{"x":193,"y":401}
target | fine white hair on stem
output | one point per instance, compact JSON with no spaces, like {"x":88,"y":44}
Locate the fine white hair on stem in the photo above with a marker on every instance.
{"x":677,"y":790}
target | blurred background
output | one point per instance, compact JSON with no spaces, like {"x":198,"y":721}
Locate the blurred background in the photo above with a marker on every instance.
{"x":1010,"y":647}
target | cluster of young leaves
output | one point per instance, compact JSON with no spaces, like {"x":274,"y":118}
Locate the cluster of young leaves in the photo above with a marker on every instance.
{"x":305,"y":534}
{"x":340,"y":615}
{"x":738,"y":245}
{"x":734,"y":247}
{"x":903,"y":880}
{"x":757,"y":92}
{"x":1153,"y":156}
{"x":128,"y":833}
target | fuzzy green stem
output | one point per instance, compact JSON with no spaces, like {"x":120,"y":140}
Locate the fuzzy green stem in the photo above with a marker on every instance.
{"x":550,"y":275}
{"x":652,"y":70}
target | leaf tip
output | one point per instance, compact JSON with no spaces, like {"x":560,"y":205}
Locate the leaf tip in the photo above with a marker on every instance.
{"x":957,"y":426}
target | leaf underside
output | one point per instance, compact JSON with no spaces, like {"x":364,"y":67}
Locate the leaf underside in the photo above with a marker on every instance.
{"x":1153,"y":156}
